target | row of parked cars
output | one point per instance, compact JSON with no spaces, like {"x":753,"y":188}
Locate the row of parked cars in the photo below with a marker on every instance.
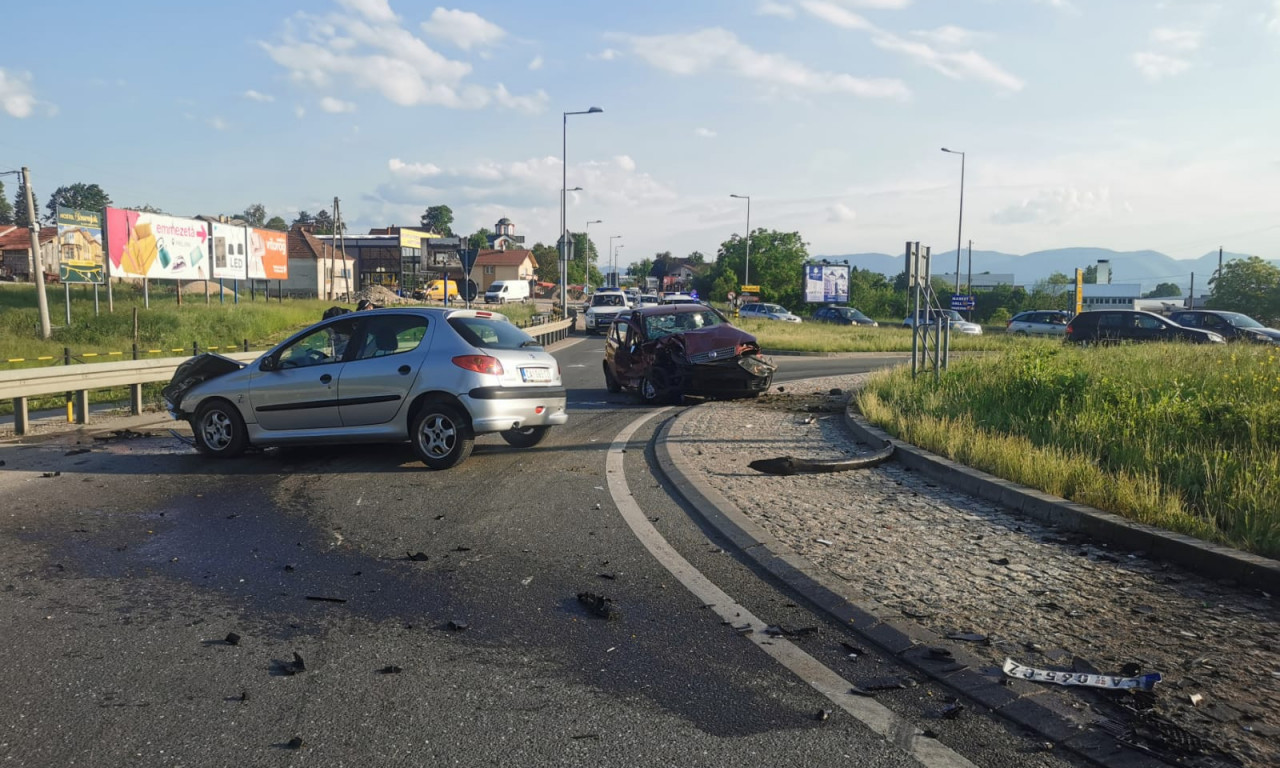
{"x":1204,"y":326}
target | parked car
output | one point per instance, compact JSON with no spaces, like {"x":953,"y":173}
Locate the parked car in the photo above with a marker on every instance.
{"x":1039,"y":322}
{"x":956,"y":320}
{"x":842,"y":316}
{"x":604,"y":306}
{"x":648,"y":300}
{"x":679,"y":298}
{"x":435,"y":377}
{"x":502,"y":291}
{"x":669,"y":351}
{"x":1232,"y":326}
{"x":1115,"y":325}
{"x":763,"y":311}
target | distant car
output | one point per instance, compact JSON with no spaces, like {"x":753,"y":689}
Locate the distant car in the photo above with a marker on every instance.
{"x":1109,"y":326}
{"x":953,"y":317}
{"x":1232,"y":326}
{"x":760,"y":310}
{"x":679,"y":298}
{"x":670,"y":351}
{"x":842,"y":316}
{"x":1047,"y":322}
{"x":604,"y":306}
{"x":648,"y":300}
{"x":434,"y":377}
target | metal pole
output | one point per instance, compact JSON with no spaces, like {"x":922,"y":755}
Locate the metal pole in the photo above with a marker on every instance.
{"x":42,"y":301}
{"x":914,"y":290}
{"x":746,"y":262}
{"x":969,"y":283}
{"x":66,"y":289}
{"x":564,"y":244}
{"x":960,"y":226}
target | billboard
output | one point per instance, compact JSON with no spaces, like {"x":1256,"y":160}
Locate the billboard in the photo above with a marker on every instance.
{"x":826,"y":283}
{"x":230,"y":251}
{"x":268,"y":255}
{"x":158,"y":247}
{"x":80,"y":258}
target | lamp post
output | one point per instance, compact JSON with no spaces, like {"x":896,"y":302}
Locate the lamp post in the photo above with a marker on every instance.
{"x":586,"y":253}
{"x":612,"y":261}
{"x":960,"y":226}
{"x":564,"y":235}
{"x":616,"y":284}
{"x":746,"y":263}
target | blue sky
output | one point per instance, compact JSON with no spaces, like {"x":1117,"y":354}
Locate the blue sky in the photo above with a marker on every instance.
{"x":1120,"y":124}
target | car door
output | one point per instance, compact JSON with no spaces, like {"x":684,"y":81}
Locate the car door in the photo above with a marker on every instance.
{"x":300,"y":388}
{"x":1148,"y":328}
{"x":381,"y":370}
{"x":1111,"y":327}
{"x":1218,"y":326}
{"x":628,"y":354}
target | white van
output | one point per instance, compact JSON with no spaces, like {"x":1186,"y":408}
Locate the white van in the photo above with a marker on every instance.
{"x":502,"y":291}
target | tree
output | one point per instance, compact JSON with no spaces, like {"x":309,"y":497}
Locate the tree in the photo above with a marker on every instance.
{"x":777,"y":266}
{"x":324,"y":223}
{"x":438,"y":219}
{"x":20,"y":216}
{"x":277,"y":223}
{"x":1251,"y":286}
{"x":480,"y":239}
{"x":255,"y":215}
{"x":6,"y":208}
{"x":89,"y":197}
{"x":548,"y":262}
{"x":302,"y":219}
{"x":149,"y":208}
{"x":1163,"y":291}
{"x":1090,"y":274}
{"x":696,"y":258}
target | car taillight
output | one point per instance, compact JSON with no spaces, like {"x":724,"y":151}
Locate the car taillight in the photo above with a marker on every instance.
{"x":1068,"y":328}
{"x":479,"y":364}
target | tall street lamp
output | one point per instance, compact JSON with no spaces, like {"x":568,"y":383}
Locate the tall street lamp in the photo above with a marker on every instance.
{"x":564,"y":235}
{"x":616,"y":284}
{"x":960,"y":226}
{"x":612,"y":261}
{"x":746,"y":263}
{"x":586,"y":253}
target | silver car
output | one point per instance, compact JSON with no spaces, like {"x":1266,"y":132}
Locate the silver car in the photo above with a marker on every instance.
{"x":762,"y":311}
{"x":435,"y":377}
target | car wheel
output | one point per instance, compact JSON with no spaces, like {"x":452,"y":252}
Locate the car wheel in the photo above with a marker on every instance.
{"x":441,"y":436}
{"x":525,"y":438}
{"x":1019,"y":333}
{"x":653,"y":391}
{"x":610,"y":381}
{"x":219,"y":430}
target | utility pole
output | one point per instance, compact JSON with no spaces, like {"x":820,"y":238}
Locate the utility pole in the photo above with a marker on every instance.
{"x":37,"y":272}
{"x":333,"y":240}
{"x":1191,"y":300}
{"x":969,"y":282}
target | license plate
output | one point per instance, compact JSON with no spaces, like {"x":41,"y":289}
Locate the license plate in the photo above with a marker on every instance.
{"x":535,"y":374}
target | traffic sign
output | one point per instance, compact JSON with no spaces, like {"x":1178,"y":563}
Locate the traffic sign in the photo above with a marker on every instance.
{"x":750,"y":289}
{"x":962,"y":302}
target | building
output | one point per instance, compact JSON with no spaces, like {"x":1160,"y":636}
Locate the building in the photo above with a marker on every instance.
{"x":504,"y":236}
{"x":680,"y":275}
{"x":315,"y":267}
{"x":509,"y":264}
{"x":986,"y":281}
{"x":1111,"y":295}
{"x":401,"y":258}
{"x":15,"y":252}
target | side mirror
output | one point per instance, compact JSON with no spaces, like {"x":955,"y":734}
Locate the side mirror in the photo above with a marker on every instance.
{"x":267,"y":364}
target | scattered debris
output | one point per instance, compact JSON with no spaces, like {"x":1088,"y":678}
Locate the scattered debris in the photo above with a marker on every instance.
{"x":178,"y":435}
{"x":390,"y":669}
{"x":76,"y":452}
{"x":852,"y":651}
{"x":951,"y":711}
{"x":609,"y":576}
{"x":244,"y":696}
{"x":1195,"y":699}
{"x":457,"y":626}
{"x":781,"y":631}
{"x":823,"y":715}
{"x":232,"y":638}
{"x":321,"y":599}
{"x":940,"y":654}
{"x":289,"y":668}
{"x":294,"y":743}
{"x":808,"y":420}
{"x":823,"y":542}
{"x":969,"y":637}
{"x":790,"y":465}
{"x":888,"y":684}
{"x":416,"y":557}
{"x":51,"y":474}
{"x":745,"y":629}
{"x":290,"y":567}
{"x":1109,"y":682}
{"x":462,"y":549}
{"x":526,"y":581}
{"x":121,"y":434}
{"x":999,"y":561}
{"x":599,"y":605}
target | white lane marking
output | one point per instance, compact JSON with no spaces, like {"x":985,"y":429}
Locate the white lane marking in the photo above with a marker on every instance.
{"x":930,"y":752}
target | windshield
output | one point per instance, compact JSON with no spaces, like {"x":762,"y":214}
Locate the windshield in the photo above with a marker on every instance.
{"x":1241,"y":321}
{"x":772,"y":309}
{"x":608,"y":300}
{"x":853,"y":314}
{"x":657,"y":326}
{"x":489,"y":333}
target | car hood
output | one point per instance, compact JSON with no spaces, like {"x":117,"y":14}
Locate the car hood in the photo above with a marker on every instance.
{"x":195,"y":371}
{"x":1270,"y":333}
{"x":708,"y":340}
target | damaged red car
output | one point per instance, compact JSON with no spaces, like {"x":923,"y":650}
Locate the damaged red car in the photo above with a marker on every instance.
{"x":666,"y":352}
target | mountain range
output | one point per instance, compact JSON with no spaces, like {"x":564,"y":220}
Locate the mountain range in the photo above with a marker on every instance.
{"x":1147,"y":268}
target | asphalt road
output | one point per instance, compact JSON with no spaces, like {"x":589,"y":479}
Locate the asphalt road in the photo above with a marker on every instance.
{"x":122,"y":576}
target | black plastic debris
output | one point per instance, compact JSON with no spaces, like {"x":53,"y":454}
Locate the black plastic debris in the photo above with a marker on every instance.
{"x":244,"y":696}
{"x":322,"y":599}
{"x":289,"y":668}
{"x":836,"y":392}
{"x":968,"y":637}
{"x":232,"y":638}
{"x":462,"y":549}
{"x":599,"y":605}
{"x":951,"y":711}
{"x":390,"y":669}
{"x":939,"y":654}
{"x":121,"y":434}
{"x":76,"y":452}
{"x":416,"y":557}
{"x":782,"y":631}
{"x":852,"y":651}
{"x":294,"y":743}
{"x":1131,"y":669}
{"x":822,"y":715}
{"x":51,"y":474}
{"x":887,"y":684}
{"x":290,"y":567}
{"x":457,"y":626}
{"x":609,"y":576}
{"x":999,"y":561}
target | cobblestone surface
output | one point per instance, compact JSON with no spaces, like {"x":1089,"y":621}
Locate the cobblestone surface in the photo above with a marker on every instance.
{"x":953,"y":563}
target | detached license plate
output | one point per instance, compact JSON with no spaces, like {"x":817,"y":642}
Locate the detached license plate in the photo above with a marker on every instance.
{"x":535,"y":374}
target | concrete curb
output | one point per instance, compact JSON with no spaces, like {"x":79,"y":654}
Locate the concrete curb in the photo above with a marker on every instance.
{"x":1202,"y":557}
{"x":1033,"y":707}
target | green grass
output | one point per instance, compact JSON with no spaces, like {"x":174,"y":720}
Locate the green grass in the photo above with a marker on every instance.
{"x":1183,"y":437}
{"x":823,"y":337}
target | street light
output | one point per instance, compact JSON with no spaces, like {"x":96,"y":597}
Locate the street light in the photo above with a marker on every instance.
{"x":960,"y":226}
{"x":746,"y":263}
{"x":613,"y":262}
{"x":616,"y":284}
{"x":586,"y":253}
{"x":564,"y":235}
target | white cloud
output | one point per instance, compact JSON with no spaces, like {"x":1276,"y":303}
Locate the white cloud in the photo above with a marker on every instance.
{"x":413,"y":170}
{"x":839,"y":212}
{"x":1057,"y":206}
{"x":336,"y":49}
{"x":884,"y":5}
{"x":462,"y":28}
{"x":947,"y":35}
{"x":299,"y":111}
{"x":16,"y":96}
{"x":1062,"y":5}
{"x":253,"y":95}
{"x":704,"y":133}
{"x":608,"y":54}
{"x":336,"y":106}
{"x":1155,"y":66}
{"x":625,"y":163}
{"x":1176,"y":39}
{"x":770,"y":8}
{"x":836,"y":15}
{"x":1273,"y":23}
{"x":536,"y":64}
{"x":377,"y":11}
{"x":218,"y":124}
{"x":718,"y":49}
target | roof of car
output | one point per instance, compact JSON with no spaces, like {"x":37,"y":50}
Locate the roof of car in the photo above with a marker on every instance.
{"x":670,"y":309}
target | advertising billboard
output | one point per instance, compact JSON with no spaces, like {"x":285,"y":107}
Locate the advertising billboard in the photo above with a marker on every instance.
{"x":80,"y":258}
{"x":826,"y":283}
{"x":268,"y":255}
{"x":157,"y":247}
{"x":230,"y":251}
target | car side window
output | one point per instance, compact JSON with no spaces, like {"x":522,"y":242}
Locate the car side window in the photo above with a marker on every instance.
{"x":391,"y":335}
{"x":1214,"y":322}
{"x":320,"y":347}
{"x":1189,"y":320}
{"x":1149,"y":323}
{"x":1110,"y":320}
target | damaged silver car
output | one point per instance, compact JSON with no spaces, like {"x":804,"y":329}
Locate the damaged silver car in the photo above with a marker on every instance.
{"x":664,"y":353}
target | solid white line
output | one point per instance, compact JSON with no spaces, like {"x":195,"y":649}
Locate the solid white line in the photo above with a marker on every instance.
{"x":877,"y":717}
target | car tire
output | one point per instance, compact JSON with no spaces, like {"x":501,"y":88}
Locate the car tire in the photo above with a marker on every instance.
{"x":219,"y":430}
{"x":441,"y":436}
{"x":611,"y":382}
{"x":526,"y":437}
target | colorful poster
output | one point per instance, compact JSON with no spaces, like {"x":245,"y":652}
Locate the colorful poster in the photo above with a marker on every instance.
{"x":826,"y":283}
{"x":157,"y":247}
{"x":268,"y":255}
{"x":230,"y":246}
{"x":80,"y":246}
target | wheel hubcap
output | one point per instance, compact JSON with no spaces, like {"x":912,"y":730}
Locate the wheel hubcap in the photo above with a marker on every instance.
{"x":649,"y":391}
{"x":438,"y":436}
{"x":217,"y":430}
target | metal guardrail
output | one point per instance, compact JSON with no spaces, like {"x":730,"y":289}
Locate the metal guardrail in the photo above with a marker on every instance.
{"x":79,"y":380}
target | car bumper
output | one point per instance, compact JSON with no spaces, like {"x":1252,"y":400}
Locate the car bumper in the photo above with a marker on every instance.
{"x":594,"y":322}
{"x":497,"y":410}
{"x":723,"y":379}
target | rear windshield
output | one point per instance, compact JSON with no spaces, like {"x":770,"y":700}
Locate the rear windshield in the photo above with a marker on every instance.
{"x":488,"y":333}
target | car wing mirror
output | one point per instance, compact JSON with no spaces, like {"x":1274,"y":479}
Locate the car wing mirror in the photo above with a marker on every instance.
{"x":269,"y":363}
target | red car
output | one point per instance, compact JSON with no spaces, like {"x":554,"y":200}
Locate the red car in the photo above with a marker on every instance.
{"x":673,"y":350}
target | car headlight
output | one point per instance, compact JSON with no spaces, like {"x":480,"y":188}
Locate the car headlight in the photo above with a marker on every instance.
{"x":1216,"y":338}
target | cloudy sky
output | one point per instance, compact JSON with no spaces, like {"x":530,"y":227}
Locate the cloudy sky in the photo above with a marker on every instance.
{"x":1125,"y":125}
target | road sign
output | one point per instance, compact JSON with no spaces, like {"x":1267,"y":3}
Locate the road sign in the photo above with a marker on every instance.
{"x":750,"y":289}
{"x":962,"y":302}
{"x":468,"y":258}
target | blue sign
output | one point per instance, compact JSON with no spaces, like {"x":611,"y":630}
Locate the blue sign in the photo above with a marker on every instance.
{"x":962,"y":302}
